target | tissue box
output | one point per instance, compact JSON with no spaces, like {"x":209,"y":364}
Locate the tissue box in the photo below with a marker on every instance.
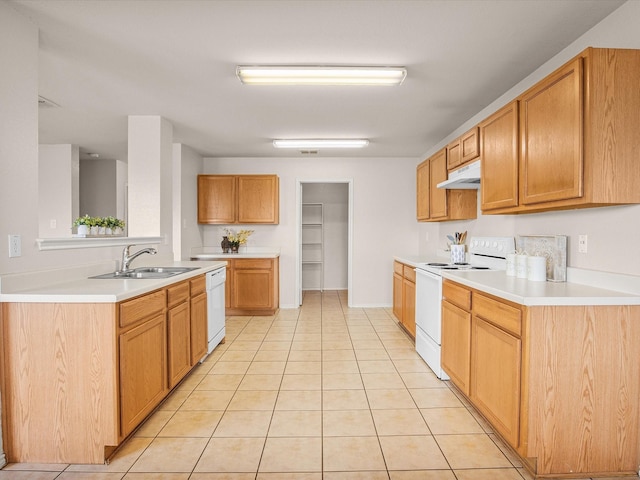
{"x":554,"y":247}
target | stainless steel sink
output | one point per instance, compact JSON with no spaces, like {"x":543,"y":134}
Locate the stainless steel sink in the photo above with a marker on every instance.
{"x":147,"y":272}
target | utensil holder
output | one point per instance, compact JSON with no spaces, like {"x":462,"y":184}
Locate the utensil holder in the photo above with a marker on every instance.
{"x":457,"y":254}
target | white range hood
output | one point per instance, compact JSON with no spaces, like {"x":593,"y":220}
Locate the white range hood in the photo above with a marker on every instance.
{"x":465,"y":178}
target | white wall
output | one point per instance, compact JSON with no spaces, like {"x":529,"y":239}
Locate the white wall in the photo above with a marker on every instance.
{"x":384,"y":216}
{"x":99,"y":188}
{"x":187,"y":234}
{"x":335,"y":201}
{"x":58,"y":193}
{"x":606,"y":227}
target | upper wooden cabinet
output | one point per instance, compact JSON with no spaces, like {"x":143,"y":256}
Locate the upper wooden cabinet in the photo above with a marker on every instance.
{"x":463,"y":149}
{"x":499,"y":139}
{"x":240,"y":199}
{"x":436,"y":204}
{"x":551,"y":115}
{"x":578,"y":139}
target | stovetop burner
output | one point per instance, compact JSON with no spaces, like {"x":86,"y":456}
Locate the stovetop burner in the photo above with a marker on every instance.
{"x":456,"y":266}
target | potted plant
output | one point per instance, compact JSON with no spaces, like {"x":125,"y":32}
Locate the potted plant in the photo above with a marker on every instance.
{"x":83,"y":224}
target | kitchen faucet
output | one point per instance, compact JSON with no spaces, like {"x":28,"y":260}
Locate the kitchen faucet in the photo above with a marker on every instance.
{"x":127,"y":259}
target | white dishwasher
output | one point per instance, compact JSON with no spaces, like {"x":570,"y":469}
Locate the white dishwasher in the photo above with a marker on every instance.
{"x":215,"y":307}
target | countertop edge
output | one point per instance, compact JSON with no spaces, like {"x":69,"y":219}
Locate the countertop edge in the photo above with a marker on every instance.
{"x":87,"y":290}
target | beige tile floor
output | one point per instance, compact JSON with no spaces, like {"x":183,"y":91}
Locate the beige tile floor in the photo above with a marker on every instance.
{"x":320,"y":392}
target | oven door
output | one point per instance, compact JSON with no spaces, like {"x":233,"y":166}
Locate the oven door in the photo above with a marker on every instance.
{"x":428,"y":303}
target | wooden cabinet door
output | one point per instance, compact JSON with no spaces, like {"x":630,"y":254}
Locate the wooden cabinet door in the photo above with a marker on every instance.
{"x":199,"y":325}
{"x":253,"y":284}
{"x":456,"y":345}
{"x":143,"y":371}
{"x":228,"y":285}
{"x":422,"y":191}
{"x":499,"y":147}
{"x":397,"y":296}
{"x":495,"y":377}
{"x":179,"y":342}
{"x":438,"y":196}
{"x":551,"y":118}
{"x":258,"y":199}
{"x":454,"y":155}
{"x":470,"y":146}
{"x":409,"y":306}
{"x":217,"y":199}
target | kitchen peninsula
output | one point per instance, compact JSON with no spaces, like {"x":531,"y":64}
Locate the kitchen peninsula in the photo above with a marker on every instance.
{"x":85,"y":361}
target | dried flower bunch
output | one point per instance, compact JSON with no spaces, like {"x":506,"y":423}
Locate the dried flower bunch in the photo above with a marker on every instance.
{"x":240,"y":238}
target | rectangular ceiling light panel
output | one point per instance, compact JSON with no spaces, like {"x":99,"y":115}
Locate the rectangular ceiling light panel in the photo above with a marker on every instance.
{"x":321,"y":75}
{"x":321,"y":143}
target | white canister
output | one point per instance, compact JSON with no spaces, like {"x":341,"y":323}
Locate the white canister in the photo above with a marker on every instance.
{"x":537,"y":269}
{"x":511,"y":264}
{"x":457,"y":254}
{"x":521,"y":266}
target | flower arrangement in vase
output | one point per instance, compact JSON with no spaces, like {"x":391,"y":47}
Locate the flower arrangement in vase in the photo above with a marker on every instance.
{"x":237,"y":239}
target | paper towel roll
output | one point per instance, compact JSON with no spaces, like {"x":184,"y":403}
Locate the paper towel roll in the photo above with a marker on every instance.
{"x":511,"y":264}
{"x":521,"y":266}
{"x":537,"y":269}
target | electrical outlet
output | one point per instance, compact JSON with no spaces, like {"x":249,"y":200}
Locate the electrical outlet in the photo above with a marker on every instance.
{"x":53,"y":223}
{"x":15,"y":248}
{"x":582,"y":244}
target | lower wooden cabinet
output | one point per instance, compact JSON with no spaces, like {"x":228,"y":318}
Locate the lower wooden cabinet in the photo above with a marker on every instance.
{"x":404,"y":296}
{"x":103,"y":369}
{"x":252,"y":286}
{"x":179,"y":339}
{"x":199,"y":319}
{"x":553,"y":381}
{"x":143,"y":371}
{"x":456,"y":344}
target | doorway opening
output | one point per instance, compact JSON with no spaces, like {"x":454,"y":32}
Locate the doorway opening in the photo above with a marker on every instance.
{"x":324,"y":226}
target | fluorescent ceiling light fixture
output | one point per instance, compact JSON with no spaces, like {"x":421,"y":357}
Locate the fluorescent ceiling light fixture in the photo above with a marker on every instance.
{"x":321,"y":143}
{"x":320,"y":75}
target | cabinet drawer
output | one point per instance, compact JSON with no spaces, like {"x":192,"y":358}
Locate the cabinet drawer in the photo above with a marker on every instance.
{"x":398,"y":268}
{"x":252,"y":263}
{"x":198,"y":285}
{"x":409,"y":273}
{"x":177,"y":294}
{"x":135,"y":310}
{"x":457,"y":295}
{"x":500,"y":314}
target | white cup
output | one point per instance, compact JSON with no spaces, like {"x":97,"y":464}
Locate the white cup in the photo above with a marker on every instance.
{"x":511,"y":264}
{"x":537,"y":269}
{"x":521,"y":266}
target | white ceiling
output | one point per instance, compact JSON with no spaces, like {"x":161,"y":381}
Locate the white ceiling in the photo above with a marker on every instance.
{"x":104,"y":60}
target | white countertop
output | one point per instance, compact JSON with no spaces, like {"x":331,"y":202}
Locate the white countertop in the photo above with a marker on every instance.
{"x":71,"y":286}
{"x":231,"y":256}
{"x":525,"y":292}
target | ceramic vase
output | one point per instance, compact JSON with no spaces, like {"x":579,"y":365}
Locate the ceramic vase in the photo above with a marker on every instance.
{"x":457,"y":254}
{"x":225,"y":244}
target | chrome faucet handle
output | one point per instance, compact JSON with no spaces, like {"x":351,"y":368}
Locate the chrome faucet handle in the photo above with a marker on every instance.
{"x":124,"y":262}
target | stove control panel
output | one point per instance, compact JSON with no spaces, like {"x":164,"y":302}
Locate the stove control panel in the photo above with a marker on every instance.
{"x":492,"y":246}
